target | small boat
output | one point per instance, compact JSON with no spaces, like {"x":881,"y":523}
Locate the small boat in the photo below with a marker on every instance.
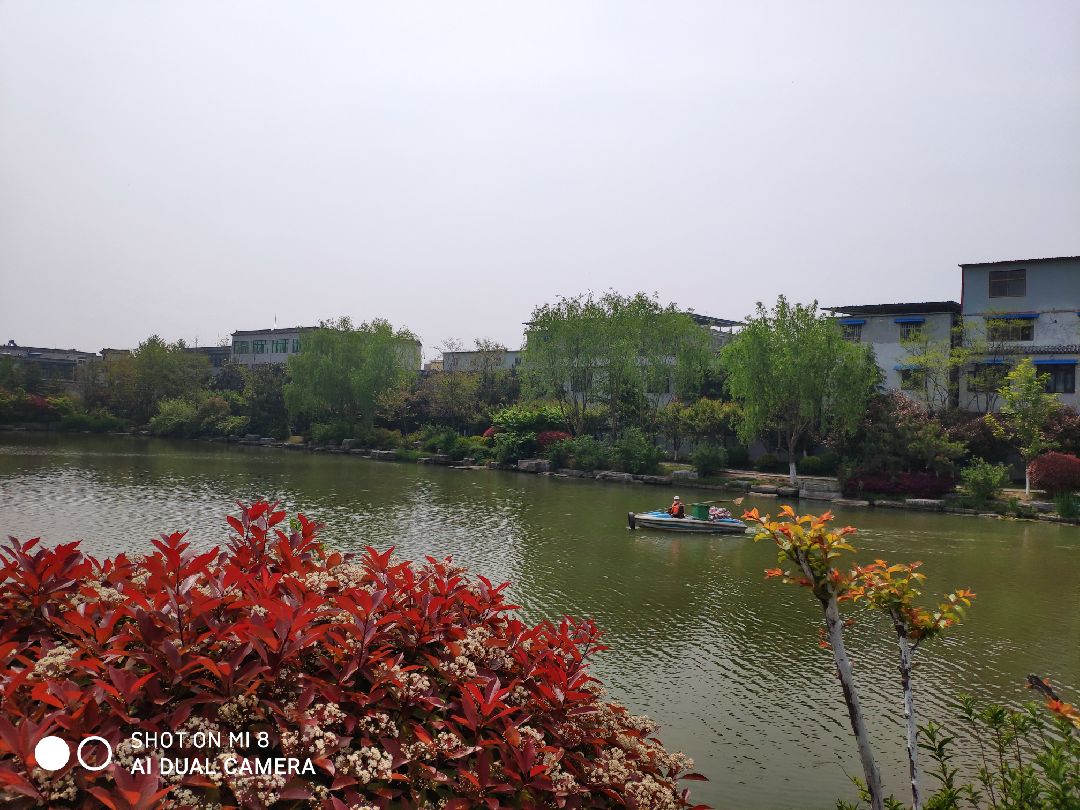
{"x":664,"y":522}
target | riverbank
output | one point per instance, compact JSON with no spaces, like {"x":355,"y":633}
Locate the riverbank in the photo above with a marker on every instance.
{"x":821,"y":489}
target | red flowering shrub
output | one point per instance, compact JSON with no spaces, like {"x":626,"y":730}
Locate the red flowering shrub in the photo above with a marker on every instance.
{"x":398,"y":685}
{"x":912,"y":484}
{"x":1056,"y":473}
{"x":490,"y":432}
{"x":546,"y":438}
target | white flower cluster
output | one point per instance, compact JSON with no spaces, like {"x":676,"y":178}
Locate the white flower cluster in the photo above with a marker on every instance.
{"x":238,"y":711}
{"x":366,"y":764}
{"x":252,"y":788}
{"x":461,"y":668}
{"x":475,"y":647}
{"x":378,"y":725}
{"x":651,"y":793}
{"x":54,"y":664}
{"x":53,"y":787}
{"x":186,"y":798}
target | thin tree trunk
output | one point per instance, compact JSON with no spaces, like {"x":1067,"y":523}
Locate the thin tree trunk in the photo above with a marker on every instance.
{"x":909,"y":710}
{"x":1027,"y":481}
{"x":835,"y":628}
{"x":792,"y":441}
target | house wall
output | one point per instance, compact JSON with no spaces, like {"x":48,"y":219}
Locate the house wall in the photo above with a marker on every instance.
{"x":882,"y":332}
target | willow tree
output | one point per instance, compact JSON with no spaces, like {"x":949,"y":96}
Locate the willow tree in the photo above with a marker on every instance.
{"x":343,"y":371}
{"x":792,"y":370}
{"x":620,"y":353}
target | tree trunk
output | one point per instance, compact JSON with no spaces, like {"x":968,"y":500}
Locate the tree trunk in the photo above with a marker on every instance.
{"x":792,"y":442}
{"x":909,"y":710}
{"x":1027,"y":481}
{"x":835,"y":628}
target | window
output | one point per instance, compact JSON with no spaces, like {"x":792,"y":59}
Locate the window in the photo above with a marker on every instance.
{"x":295,"y":345}
{"x":258,"y":346}
{"x":1060,"y":378}
{"x":279,"y":346}
{"x":1008,"y":283}
{"x":852,"y":331}
{"x":241,"y":347}
{"x":910,"y":331}
{"x":1005,"y":329}
{"x":987,"y":377}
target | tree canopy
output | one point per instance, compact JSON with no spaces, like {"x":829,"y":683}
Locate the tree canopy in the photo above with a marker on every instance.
{"x":622,"y":353}
{"x":342,"y":371}
{"x":791,"y":370}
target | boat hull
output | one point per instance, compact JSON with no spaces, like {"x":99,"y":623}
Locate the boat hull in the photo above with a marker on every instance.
{"x":662,"y":521}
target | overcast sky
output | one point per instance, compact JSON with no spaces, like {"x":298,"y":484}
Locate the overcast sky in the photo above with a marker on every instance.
{"x":192,"y":168}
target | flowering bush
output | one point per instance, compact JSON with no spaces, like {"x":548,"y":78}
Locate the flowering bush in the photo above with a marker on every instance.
{"x":401,"y":685}
{"x":546,"y":438}
{"x":1056,"y":473}
{"x":918,"y":485}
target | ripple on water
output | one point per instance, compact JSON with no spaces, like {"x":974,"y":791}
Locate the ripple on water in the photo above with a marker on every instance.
{"x":728,"y":664}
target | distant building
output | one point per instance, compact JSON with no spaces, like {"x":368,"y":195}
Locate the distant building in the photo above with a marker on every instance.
{"x":479,"y":361}
{"x":259,"y":347}
{"x":217,"y":355}
{"x":1023,"y":308}
{"x":886,"y":326}
{"x":55,"y":365}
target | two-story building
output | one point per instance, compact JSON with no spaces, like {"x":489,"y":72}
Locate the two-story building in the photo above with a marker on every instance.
{"x":258,"y":347}
{"x":507,"y":360}
{"x":1021,"y":308}
{"x":893,"y":329}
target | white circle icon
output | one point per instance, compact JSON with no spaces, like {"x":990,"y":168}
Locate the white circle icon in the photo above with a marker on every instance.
{"x":103,"y":765}
{"x":52,"y":753}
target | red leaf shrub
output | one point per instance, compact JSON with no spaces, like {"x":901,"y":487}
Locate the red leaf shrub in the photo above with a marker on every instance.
{"x":490,"y":432}
{"x":546,"y":438}
{"x":400,"y":685}
{"x":913,"y":484}
{"x":1056,"y":473}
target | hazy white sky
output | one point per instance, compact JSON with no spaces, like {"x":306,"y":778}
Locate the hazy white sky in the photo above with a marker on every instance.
{"x":191,"y":168}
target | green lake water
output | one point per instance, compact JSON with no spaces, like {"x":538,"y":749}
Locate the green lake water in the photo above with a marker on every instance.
{"x":726,"y":662}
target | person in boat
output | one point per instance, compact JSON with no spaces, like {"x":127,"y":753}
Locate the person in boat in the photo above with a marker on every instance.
{"x":677,"y":510}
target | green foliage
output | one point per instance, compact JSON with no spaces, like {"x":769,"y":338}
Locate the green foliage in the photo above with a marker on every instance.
{"x":791,"y":369}
{"x":1026,"y":410}
{"x":510,"y":447}
{"x":98,"y":421}
{"x":636,"y":453}
{"x":738,"y":457}
{"x":586,"y":453}
{"x":264,"y":401}
{"x":711,"y":420}
{"x":176,"y":417}
{"x":768,"y":462}
{"x":529,"y":417}
{"x":332,"y":431}
{"x":824,"y":464}
{"x":708,"y":459}
{"x":342,"y":371}
{"x":897,"y":435}
{"x":559,"y":453}
{"x":1066,"y":505}
{"x":982,"y":481}
{"x":617,"y":352}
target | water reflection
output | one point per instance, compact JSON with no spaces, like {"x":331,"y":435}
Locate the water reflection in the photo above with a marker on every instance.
{"x":726,"y":662}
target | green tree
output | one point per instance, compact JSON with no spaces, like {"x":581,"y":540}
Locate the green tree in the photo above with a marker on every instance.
{"x":264,"y":398}
{"x":790,"y":369}
{"x":627,"y":354}
{"x":1026,"y":412}
{"x":165,"y":370}
{"x":342,"y":370}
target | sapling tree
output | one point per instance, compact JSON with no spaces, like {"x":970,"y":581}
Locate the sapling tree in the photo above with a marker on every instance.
{"x":893,"y":589}
{"x":814,"y":548}
{"x":1025,"y":414}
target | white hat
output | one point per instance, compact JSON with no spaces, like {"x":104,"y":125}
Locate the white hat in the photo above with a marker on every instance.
{"x":676,"y":497}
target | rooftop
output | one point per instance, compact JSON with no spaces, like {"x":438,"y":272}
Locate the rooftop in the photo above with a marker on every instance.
{"x":917,"y":308}
{"x":273,"y":331}
{"x":1021,"y":261}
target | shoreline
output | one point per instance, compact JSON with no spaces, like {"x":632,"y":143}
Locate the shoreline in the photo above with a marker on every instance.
{"x":820,"y":489}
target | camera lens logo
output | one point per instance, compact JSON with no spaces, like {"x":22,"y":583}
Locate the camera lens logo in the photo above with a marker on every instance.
{"x":52,"y":753}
